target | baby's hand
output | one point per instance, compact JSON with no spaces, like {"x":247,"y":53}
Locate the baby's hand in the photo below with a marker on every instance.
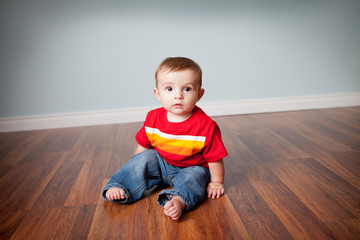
{"x":215,"y":190}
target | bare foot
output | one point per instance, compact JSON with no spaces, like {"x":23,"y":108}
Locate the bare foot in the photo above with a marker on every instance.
{"x":174,"y":208}
{"x":115,"y":193}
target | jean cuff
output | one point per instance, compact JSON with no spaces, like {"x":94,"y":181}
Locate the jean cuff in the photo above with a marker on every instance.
{"x":167,"y":194}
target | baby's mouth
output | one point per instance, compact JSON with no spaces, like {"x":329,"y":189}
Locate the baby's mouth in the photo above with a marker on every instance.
{"x":178,"y":105}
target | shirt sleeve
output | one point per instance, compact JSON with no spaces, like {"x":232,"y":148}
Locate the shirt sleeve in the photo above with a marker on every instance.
{"x":142,"y":138}
{"x":215,"y":149}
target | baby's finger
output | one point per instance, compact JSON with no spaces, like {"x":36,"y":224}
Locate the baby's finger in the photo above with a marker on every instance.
{"x":215,"y":193}
{"x":218,"y":193}
{"x":211,"y":193}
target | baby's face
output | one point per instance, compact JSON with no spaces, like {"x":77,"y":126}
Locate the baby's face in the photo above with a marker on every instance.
{"x":178,"y":92}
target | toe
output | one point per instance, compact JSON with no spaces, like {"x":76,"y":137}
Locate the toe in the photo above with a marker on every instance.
{"x":168,"y":205}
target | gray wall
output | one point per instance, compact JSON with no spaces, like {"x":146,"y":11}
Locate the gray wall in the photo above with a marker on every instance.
{"x":74,"y":56}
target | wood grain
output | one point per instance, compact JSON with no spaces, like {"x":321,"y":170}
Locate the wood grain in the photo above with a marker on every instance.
{"x":289,"y":175}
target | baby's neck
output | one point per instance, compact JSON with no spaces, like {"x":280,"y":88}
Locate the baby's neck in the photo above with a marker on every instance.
{"x":176,"y":119}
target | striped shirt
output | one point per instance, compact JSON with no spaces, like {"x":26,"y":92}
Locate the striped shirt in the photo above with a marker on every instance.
{"x":195,"y":141}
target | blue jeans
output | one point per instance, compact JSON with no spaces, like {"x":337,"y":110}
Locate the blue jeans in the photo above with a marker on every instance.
{"x":148,"y":169}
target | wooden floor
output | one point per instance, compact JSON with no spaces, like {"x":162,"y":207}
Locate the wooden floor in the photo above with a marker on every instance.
{"x":291,"y":175}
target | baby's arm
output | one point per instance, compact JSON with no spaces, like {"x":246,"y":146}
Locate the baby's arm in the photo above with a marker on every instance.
{"x":140,"y":149}
{"x":216,"y":188}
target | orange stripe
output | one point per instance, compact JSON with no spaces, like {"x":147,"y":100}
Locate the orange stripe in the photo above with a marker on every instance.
{"x":177,"y":150}
{"x":175,"y":146}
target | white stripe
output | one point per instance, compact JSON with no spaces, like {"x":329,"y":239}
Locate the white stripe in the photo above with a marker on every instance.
{"x":178,"y":137}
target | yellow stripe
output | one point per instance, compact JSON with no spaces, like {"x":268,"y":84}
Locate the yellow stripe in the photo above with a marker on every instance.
{"x":175,"y":146}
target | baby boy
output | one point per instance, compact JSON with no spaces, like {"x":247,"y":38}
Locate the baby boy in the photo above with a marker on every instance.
{"x":178,"y":145}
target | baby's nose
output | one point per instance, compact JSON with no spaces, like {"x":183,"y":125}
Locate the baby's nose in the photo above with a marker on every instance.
{"x":178,"y":95}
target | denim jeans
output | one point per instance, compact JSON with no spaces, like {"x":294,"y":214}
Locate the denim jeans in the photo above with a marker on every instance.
{"x":148,"y":169}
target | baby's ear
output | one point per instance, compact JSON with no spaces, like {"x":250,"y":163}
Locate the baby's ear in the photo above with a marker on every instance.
{"x":156,"y":93}
{"x":201,"y":93}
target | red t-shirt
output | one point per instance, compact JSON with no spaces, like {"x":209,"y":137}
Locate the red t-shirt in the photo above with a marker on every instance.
{"x":193,"y":142}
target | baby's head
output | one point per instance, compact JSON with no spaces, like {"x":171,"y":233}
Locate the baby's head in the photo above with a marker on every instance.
{"x":174,"y":64}
{"x":178,"y":87}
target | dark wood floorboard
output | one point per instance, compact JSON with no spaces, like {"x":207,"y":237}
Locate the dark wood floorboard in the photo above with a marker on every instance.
{"x":289,"y":175}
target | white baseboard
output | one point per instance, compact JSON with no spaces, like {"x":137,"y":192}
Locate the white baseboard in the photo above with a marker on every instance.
{"x":282,"y":104}
{"x":212,"y":109}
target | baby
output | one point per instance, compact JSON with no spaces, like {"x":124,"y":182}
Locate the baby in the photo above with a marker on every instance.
{"x":178,"y":145}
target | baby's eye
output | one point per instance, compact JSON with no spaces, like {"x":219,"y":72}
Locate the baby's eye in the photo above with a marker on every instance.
{"x":169,"y":89}
{"x":187,"y":89}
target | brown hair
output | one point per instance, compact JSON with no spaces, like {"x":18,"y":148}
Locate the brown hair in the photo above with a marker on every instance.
{"x":173,"y":64}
